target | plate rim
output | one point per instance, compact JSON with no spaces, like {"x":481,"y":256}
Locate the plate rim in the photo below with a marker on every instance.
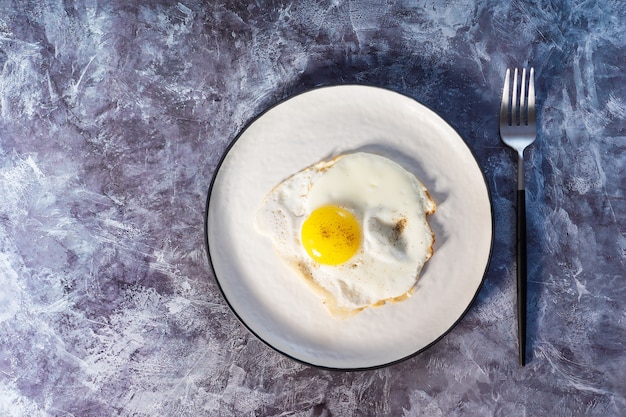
{"x":216,"y":171}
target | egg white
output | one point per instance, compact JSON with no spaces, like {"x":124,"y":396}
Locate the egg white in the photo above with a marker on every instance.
{"x":390,"y":205}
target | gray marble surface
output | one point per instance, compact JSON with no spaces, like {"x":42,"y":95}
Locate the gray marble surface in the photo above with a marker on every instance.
{"x":114,"y":115}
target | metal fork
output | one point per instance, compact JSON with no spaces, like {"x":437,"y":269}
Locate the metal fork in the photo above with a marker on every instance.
{"x":518,"y":129}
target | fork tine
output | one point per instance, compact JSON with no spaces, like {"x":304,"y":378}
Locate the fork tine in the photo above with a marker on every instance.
{"x":531,"y":97}
{"x":514,"y":107}
{"x":522,"y":99}
{"x":504,"y":105}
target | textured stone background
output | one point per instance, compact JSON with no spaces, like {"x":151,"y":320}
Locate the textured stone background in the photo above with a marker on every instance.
{"x":114,"y":114}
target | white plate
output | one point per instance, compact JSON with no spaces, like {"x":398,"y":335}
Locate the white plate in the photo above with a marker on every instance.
{"x":275,"y":303}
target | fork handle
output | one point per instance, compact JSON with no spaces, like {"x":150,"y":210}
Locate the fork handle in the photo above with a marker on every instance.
{"x":521,"y":275}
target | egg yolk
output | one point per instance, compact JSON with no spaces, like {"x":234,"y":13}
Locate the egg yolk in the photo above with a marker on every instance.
{"x":331,"y":235}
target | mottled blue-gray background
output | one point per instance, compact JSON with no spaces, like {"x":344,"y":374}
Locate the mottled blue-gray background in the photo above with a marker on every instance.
{"x":114,"y":115}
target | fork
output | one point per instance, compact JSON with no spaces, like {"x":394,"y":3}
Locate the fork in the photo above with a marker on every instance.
{"x":518,"y":129}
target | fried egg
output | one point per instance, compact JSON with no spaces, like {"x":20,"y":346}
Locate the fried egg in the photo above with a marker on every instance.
{"x":354,"y":227}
